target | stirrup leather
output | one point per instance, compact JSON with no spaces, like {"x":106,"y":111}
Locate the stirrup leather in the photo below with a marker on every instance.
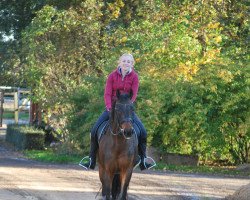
{"x":81,"y":163}
{"x":138,"y":162}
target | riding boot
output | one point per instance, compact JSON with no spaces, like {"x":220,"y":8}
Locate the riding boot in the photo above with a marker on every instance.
{"x":92,"y":155}
{"x":142,"y":146}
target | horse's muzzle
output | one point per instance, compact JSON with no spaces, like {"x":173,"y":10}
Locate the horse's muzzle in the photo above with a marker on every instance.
{"x":127,"y":120}
{"x":127,"y":128}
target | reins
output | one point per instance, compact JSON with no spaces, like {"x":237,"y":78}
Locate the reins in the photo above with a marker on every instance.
{"x":120,"y":132}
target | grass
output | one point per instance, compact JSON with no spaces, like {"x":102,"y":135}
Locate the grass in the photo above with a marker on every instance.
{"x":10,"y":115}
{"x":50,"y":156}
{"x":203,"y":169}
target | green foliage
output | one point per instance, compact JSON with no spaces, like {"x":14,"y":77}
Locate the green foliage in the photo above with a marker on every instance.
{"x":15,"y":15}
{"x":62,"y":50}
{"x":191,"y":57}
{"x":206,"y":117}
{"x":25,"y":137}
{"x":55,"y":56}
{"x":86,"y":106}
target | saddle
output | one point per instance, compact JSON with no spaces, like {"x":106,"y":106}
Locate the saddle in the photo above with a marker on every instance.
{"x":105,"y":125}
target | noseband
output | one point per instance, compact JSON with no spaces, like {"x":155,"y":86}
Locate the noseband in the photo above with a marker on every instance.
{"x":121,"y":131}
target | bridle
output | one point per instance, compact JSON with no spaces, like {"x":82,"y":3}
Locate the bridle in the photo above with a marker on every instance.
{"x":121,"y":131}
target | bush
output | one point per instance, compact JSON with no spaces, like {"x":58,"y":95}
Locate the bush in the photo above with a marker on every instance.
{"x":25,"y":137}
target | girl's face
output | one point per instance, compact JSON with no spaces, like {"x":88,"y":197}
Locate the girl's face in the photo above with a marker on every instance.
{"x":126,"y":63}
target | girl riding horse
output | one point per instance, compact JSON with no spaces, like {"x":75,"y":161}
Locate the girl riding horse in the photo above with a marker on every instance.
{"x":124,"y":79}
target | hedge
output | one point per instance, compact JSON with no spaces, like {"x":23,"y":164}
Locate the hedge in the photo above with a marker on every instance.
{"x":25,"y":137}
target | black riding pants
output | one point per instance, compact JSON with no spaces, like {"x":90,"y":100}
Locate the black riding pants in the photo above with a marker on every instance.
{"x":103,"y":117}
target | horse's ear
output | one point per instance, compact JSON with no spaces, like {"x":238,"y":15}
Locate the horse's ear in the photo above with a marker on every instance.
{"x":118,"y":93}
{"x":131,"y":94}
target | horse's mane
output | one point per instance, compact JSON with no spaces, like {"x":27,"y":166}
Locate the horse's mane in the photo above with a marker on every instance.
{"x":122,"y":98}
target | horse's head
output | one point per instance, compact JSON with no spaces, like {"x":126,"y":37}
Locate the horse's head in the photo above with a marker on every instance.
{"x":123,"y":113}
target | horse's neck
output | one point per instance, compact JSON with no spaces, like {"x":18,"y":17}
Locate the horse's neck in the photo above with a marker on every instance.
{"x":114,"y":125}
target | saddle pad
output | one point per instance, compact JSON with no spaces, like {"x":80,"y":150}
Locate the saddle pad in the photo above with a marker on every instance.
{"x":102,"y":129}
{"x":104,"y":126}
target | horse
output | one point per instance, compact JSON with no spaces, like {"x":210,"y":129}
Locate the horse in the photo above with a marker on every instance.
{"x":118,"y":150}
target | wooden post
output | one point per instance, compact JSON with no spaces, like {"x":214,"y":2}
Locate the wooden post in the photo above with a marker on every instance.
{"x":31,"y":119}
{"x":36,"y":114}
{"x":16,"y":107}
{"x":1,"y":107}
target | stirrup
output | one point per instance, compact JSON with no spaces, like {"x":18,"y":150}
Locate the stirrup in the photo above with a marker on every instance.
{"x":81,"y":163}
{"x":152,"y":160}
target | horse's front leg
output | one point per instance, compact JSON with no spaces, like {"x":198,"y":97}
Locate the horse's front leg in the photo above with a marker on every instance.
{"x":105,"y":183}
{"x":125,"y":179}
{"x":106,"y":186}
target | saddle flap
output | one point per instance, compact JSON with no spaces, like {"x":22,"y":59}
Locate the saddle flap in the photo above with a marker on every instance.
{"x":137,"y":130}
{"x":102,"y":129}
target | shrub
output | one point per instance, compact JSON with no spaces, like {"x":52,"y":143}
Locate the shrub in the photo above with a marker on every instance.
{"x":25,"y":137}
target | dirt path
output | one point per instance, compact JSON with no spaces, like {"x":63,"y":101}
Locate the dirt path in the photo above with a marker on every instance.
{"x":22,"y":179}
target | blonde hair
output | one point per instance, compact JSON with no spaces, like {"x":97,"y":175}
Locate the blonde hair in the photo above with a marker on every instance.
{"x":129,"y":55}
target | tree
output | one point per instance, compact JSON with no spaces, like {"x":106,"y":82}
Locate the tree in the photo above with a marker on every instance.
{"x":15,"y":17}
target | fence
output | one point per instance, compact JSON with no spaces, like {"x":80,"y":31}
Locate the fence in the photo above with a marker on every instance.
{"x":14,"y":102}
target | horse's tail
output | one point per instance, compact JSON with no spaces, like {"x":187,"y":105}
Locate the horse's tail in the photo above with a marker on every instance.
{"x":116,"y":186}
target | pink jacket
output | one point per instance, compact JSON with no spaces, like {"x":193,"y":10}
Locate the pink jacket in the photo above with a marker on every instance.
{"x":115,"y":82}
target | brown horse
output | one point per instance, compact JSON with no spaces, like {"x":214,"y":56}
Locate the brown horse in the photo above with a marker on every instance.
{"x":118,"y":150}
